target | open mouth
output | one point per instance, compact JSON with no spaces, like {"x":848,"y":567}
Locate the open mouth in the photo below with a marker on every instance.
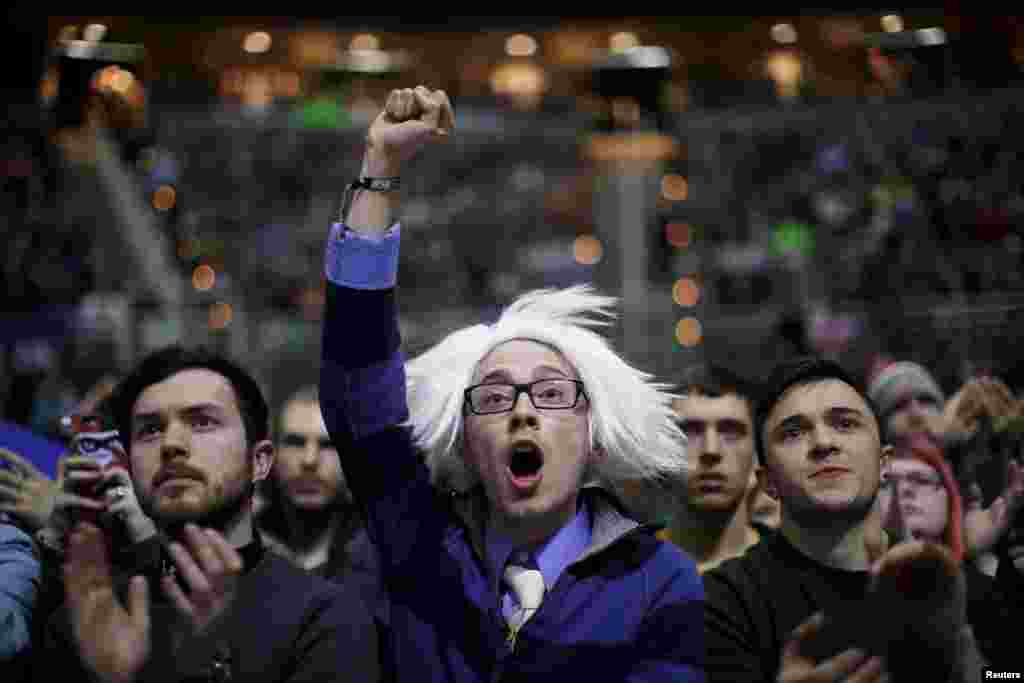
{"x":525,"y":462}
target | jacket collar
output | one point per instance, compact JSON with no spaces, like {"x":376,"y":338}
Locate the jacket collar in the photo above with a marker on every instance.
{"x":610,"y":523}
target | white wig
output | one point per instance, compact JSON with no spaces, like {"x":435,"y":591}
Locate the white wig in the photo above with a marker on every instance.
{"x":631,"y":418}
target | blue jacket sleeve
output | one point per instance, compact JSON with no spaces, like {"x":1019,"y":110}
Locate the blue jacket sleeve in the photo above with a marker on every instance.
{"x":363,"y":399}
{"x":671,"y":640}
{"x":19,"y":586}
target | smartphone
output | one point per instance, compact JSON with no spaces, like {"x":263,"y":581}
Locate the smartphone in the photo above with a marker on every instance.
{"x":92,"y":437}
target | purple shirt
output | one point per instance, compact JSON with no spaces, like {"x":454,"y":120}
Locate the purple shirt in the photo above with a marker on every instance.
{"x":557,"y":553}
{"x":362,"y":261}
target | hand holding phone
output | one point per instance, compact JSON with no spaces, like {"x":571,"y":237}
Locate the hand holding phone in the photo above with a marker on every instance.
{"x":96,"y":447}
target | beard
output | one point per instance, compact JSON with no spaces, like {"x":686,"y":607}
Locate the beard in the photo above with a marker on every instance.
{"x":218,"y":513}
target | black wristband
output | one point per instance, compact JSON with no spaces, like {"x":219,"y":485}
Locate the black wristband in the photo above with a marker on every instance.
{"x":387,"y":184}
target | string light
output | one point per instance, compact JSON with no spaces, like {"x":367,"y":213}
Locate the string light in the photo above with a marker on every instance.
{"x":164,"y":198}
{"x":220,"y":315}
{"x":677,"y":234}
{"x":204,"y":277}
{"x":675,"y":187}
{"x":587,"y":250}
{"x":686,"y":292}
{"x":688,"y":332}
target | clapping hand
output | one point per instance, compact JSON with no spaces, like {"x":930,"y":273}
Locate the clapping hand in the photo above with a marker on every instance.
{"x":114,"y":640}
{"x":978,"y":397}
{"x":209,"y":567}
{"x":984,"y":526}
{"x":851,"y":665}
{"x":35,"y":499}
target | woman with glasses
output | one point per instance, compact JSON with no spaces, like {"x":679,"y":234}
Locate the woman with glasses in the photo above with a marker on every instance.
{"x":919,"y":499}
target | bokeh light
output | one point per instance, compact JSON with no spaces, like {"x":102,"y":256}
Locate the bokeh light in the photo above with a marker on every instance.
{"x":678,"y":234}
{"x":257,"y":42}
{"x":675,"y":187}
{"x":686,"y":292}
{"x":689,"y":332}
{"x":204,"y":277}
{"x":892,"y":23}
{"x":587,"y":250}
{"x":520,"y":45}
{"x":94,"y":32}
{"x":786,"y":69}
{"x":524,"y":83}
{"x":164,"y":198}
{"x":364,"y":41}
{"x":784,"y":33}
{"x":623,"y":40}
{"x":220,"y":315}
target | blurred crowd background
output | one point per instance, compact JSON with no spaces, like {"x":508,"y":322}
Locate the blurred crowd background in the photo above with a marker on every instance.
{"x":847,"y":182}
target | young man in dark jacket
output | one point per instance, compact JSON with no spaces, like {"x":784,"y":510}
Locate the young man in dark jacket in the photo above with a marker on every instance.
{"x":807,"y":603}
{"x":200,"y":600}
{"x":309,"y":516}
{"x":505,"y":553}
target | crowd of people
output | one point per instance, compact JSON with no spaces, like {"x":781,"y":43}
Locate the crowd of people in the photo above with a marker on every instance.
{"x":482,"y":511}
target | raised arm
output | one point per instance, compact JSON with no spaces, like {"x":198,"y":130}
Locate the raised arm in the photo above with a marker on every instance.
{"x":362,"y":381}
{"x":411,"y":119}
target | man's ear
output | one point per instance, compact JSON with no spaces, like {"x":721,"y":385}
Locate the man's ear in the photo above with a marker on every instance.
{"x":262,"y":460}
{"x":887,"y":451}
{"x":766,"y":483}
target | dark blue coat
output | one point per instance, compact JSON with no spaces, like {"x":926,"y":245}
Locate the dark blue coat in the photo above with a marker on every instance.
{"x":630,"y":609}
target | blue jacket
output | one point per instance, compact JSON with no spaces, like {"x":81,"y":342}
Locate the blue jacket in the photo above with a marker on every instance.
{"x":19,"y":586}
{"x":630,"y":609}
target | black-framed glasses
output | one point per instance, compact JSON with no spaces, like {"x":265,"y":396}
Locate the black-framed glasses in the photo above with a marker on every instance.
{"x":917,"y":480}
{"x":545,"y":394}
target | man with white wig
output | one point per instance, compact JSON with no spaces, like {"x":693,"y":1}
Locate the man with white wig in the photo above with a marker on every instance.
{"x":488,"y":468}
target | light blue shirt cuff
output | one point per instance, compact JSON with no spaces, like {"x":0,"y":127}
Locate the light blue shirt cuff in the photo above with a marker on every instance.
{"x":361,"y":261}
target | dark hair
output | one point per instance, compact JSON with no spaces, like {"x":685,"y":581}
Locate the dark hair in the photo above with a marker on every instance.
{"x":169,"y":361}
{"x":789,"y":373}
{"x":715,"y":381}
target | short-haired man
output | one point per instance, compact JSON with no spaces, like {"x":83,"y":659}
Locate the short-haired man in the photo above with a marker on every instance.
{"x":215,"y":606}
{"x":521,"y":571}
{"x":309,"y":516}
{"x":716,"y":412}
{"x":820,"y":439}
